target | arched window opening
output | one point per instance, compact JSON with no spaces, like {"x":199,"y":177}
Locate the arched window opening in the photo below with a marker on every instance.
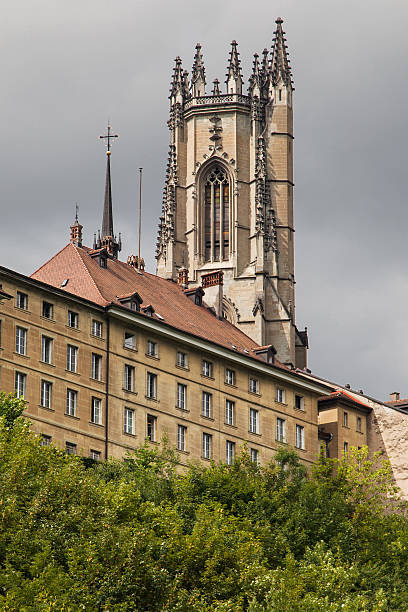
{"x":216,"y":215}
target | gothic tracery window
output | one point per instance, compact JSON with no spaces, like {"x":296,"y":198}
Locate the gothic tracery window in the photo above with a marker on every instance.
{"x":216,"y":214}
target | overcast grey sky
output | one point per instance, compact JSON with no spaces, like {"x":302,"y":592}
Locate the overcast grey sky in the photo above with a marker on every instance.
{"x":68,"y":66}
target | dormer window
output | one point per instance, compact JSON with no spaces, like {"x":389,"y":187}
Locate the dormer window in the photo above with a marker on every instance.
{"x":131,"y":300}
{"x":148,"y":310}
{"x":103,"y":261}
{"x":196,"y":295}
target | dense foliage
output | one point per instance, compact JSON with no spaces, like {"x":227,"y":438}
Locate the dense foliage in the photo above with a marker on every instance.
{"x":138,"y":535}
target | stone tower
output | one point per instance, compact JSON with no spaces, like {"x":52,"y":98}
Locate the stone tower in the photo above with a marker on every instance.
{"x":228,"y":197}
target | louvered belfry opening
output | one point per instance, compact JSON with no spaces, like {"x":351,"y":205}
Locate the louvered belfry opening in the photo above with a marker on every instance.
{"x":216,"y":214}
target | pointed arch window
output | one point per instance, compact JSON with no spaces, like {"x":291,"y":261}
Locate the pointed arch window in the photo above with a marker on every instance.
{"x":217,"y":193}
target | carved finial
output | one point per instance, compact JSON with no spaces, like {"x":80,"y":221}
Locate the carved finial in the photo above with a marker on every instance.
{"x":255,"y":78}
{"x":216,"y":89}
{"x":198,"y":74}
{"x":234,"y":77}
{"x":280,"y":68}
{"x":177,"y":85}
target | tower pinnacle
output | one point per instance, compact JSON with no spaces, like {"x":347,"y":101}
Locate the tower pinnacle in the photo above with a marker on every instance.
{"x":280,"y":64}
{"x":108,"y":239}
{"x":234,"y":77}
{"x":198,"y":74}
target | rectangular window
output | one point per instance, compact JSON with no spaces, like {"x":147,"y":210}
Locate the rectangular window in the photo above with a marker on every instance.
{"x":96,"y":328}
{"x":207,"y":368}
{"x":207,"y":446}
{"x":280,"y":396}
{"x":229,"y":376}
{"x":46,"y":349}
{"x":207,"y":404}
{"x":359,"y":424}
{"x":229,"y":412}
{"x":300,"y":436}
{"x":72,"y":397}
{"x":345,"y":419}
{"x":345,"y":447}
{"x":151,"y":422}
{"x":254,"y":454}
{"x":254,"y":385}
{"x":182,"y":360}
{"x":45,"y":440}
{"x":299,"y":402}
{"x":152,"y":348}
{"x":151,"y":388}
{"x":96,"y":411}
{"x":96,"y":366}
{"x":129,"y":422}
{"x":20,"y":384}
{"x":181,"y":396}
{"x":70,"y":448}
{"x":73,"y":319}
{"x":230,"y":452}
{"x":48,"y":310}
{"x":46,"y":388}
{"x":22,"y":300}
{"x":181,"y":437}
{"x":253,"y":420}
{"x":72,"y":358}
{"x":95,"y":455}
{"x":21,"y":340}
{"x":280,"y":430}
{"x":130,"y":341}
{"x":129,"y":380}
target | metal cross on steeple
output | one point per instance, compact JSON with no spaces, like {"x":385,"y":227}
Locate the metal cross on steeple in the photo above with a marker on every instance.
{"x":108,"y":137}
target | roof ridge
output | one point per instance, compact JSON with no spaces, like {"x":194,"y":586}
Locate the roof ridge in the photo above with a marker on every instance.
{"x":52,"y":258}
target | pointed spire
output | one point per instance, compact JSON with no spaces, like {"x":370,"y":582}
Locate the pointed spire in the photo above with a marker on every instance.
{"x":234,"y":77}
{"x":216,"y":89}
{"x":280,"y":68}
{"x":177,"y":83}
{"x":76,"y":230}
{"x":198,"y":74}
{"x":108,"y":238}
{"x":255,"y":78}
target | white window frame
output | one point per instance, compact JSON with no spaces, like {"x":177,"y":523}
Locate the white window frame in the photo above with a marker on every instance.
{"x":46,"y":349}
{"x":301,"y":402}
{"x":73,"y":319}
{"x":207,"y":368}
{"x":229,"y":412}
{"x":254,"y":420}
{"x":152,"y":436}
{"x":130,"y":341}
{"x":229,"y":452}
{"x":152,"y":348}
{"x":47,"y":306}
{"x":345,"y":419}
{"x":229,"y":376}
{"x":21,"y":340}
{"x":181,"y":396}
{"x":151,"y":385}
{"x":20,"y":383}
{"x":280,"y":429}
{"x":72,"y":402}
{"x":254,"y":454}
{"x":182,"y":359}
{"x":70,"y":448}
{"x":207,"y":445}
{"x":359,"y":424}
{"x":96,"y":328}
{"x":45,"y":395}
{"x":181,"y":437}
{"x":22,"y":300}
{"x":95,"y":454}
{"x":300,"y":437}
{"x":129,"y":377}
{"x":96,"y":411}
{"x":96,"y":366}
{"x":206,"y":405}
{"x":72,"y":358}
{"x":129,"y":421}
{"x":281,"y":395}
{"x":254,"y":385}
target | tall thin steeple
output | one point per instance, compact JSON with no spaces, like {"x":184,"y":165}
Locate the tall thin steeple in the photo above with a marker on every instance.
{"x":108,"y":239}
{"x":234,"y":76}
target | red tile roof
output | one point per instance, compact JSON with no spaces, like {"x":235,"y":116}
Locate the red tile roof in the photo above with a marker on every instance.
{"x":87,"y":279}
{"x":341,"y":394}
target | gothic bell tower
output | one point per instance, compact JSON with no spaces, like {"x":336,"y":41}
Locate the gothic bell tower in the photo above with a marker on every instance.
{"x":228,"y":196}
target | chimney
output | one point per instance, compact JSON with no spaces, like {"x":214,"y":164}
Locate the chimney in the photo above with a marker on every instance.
{"x":213,"y":282}
{"x":136,"y":262}
{"x":182,"y":277}
{"x":394,"y":396}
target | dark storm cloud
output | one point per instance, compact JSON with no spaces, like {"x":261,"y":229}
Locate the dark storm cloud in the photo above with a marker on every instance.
{"x":67,"y":67}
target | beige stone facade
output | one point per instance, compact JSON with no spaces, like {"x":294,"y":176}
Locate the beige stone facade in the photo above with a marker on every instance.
{"x":258,"y":393}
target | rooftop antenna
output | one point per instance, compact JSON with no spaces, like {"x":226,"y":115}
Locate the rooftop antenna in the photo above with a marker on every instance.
{"x":140,"y":206}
